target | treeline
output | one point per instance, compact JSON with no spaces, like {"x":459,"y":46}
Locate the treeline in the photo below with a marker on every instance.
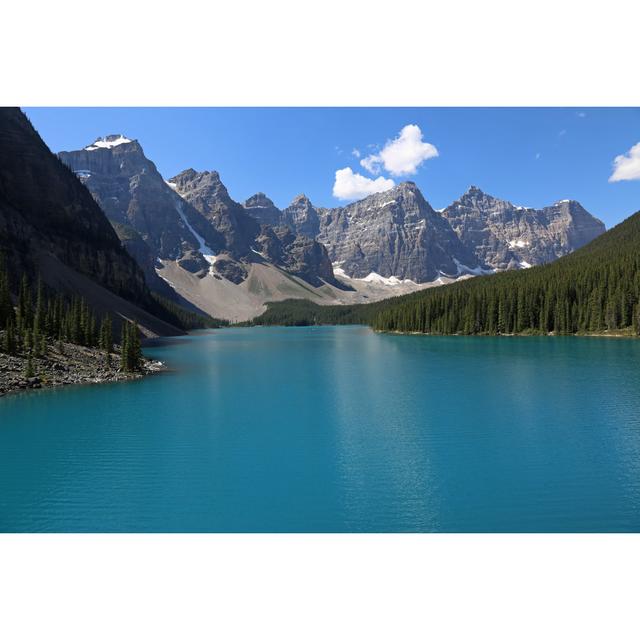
{"x":302,"y":312}
{"x":40,"y":317}
{"x":182,"y":318}
{"x":595,"y":289}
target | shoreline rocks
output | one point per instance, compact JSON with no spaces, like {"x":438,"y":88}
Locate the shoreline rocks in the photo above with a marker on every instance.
{"x":75,"y":365}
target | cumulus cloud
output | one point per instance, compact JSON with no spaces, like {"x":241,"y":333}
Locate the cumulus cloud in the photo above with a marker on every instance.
{"x":403,"y":155}
{"x":356,"y":153}
{"x":627,"y":165}
{"x":351,"y":186}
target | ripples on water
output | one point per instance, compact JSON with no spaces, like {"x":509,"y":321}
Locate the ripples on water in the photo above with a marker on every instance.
{"x":336,"y":429}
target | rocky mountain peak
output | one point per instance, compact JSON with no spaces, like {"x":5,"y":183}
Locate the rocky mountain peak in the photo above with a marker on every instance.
{"x":301,"y":200}
{"x":258,"y":200}
{"x":407,"y":185}
{"x":208,"y":183}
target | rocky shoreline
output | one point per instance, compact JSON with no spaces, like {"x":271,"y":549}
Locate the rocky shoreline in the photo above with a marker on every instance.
{"x":73,"y":364}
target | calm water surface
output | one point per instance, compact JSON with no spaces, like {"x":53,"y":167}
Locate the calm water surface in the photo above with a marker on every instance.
{"x":336,"y":429}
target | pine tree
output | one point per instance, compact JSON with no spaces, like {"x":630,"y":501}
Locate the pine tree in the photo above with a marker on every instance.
{"x":9,"y":342}
{"x":6,"y":305}
{"x":29,"y":372}
{"x":124,"y":347}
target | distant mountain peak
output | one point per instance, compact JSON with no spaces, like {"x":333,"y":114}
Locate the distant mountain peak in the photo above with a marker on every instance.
{"x":300,"y":199}
{"x":108,"y":142}
{"x":259,"y":200}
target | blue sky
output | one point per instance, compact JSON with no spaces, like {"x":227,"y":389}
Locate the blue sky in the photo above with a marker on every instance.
{"x":530,"y":156}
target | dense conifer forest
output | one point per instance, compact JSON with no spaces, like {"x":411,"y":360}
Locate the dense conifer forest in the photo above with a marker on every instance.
{"x":41,"y":318}
{"x":596,"y":289}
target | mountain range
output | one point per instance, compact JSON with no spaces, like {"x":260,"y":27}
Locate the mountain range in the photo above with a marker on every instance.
{"x":193,"y":240}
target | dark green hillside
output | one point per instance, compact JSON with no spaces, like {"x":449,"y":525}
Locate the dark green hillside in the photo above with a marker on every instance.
{"x":595,"y":289}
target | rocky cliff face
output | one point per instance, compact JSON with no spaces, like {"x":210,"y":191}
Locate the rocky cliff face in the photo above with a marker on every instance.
{"x":506,"y":236}
{"x":302,"y":216}
{"x":296,"y":254}
{"x":131,"y":191}
{"x":248,"y":233}
{"x":46,"y":211}
{"x":204,"y":191}
{"x":263,"y":210}
{"x":395,"y":233}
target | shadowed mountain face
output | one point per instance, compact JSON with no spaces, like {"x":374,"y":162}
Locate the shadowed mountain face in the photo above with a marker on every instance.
{"x":506,"y":236}
{"x":50,"y":226}
{"x":45,"y":210}
{"x":397,"y":233}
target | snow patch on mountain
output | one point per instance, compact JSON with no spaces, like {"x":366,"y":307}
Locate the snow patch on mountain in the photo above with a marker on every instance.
{"x":108,"y":142}
{"x":464,"y":269}
{"x":518,"y":243}
{"x":206,"y":251}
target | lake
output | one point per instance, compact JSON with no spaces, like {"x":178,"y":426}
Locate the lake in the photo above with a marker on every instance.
{"x":335,"y":429}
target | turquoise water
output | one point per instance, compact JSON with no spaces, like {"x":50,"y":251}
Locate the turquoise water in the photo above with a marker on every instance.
{"x":336,"y":429}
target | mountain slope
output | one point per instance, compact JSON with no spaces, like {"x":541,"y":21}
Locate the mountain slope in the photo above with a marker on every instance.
{"x":596,"y":289}
{"x":50,"y":225}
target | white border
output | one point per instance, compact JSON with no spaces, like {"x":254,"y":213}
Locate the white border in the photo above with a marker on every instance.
{"x":335,"y":52}
{"x":346,"y":586}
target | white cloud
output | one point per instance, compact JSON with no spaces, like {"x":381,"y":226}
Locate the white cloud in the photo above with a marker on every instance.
{"x":356,"y":153}
{"x":403,"y":155}
{"x":351,"y":186}
{"x":627,"y":166}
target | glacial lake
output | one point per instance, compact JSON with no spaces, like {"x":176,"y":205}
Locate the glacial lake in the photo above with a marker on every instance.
{"x":335,"y":429}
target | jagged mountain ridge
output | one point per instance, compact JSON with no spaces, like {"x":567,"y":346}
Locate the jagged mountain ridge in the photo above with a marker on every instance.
{"x":190,"y":219}
{"x":381,"y":235}
{"x":505,"y":236}
{"x":247,"y":239}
